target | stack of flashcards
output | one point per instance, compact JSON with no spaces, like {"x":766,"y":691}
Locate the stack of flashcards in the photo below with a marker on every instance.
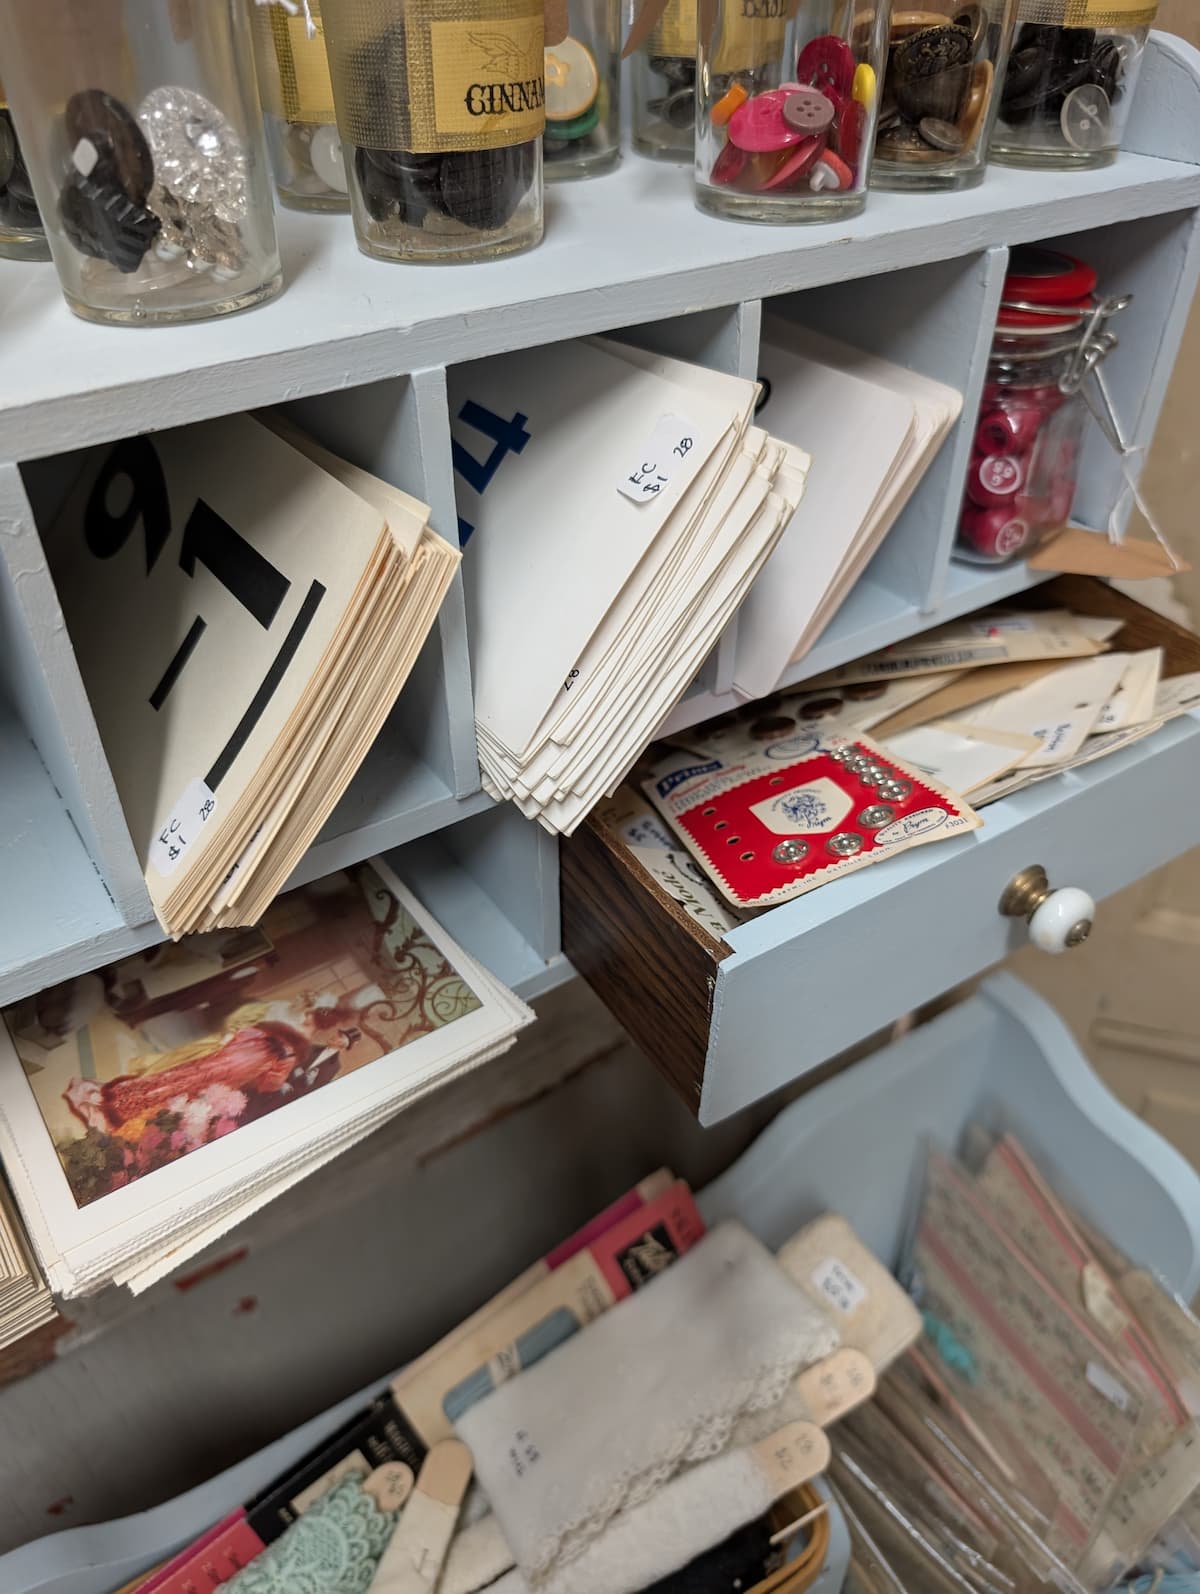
{"x":873,"y":430}
{"x":149,"y":1107}
{"x":245,"y":609}
{"x":617,"y":507}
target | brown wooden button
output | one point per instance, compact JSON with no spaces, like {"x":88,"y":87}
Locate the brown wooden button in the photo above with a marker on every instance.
{"x":120,"y":144}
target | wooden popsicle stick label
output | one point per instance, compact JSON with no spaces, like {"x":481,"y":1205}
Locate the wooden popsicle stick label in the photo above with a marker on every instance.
{"x":791,"y":1456}
{"x":412,"y":1562}
{"x":837,"y":1384}
{"x":390,"y":1485}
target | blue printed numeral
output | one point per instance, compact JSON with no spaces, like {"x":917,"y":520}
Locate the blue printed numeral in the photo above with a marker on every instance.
{"x":508,"y":437}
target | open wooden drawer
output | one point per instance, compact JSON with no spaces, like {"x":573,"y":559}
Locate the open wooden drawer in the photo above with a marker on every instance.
{"x":729,"y":1021}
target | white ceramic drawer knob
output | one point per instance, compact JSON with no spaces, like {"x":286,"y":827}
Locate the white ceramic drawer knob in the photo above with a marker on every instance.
{"x":1057,"y":920}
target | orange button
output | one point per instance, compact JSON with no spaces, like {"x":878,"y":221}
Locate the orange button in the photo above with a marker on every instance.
{"x":729,"y":102}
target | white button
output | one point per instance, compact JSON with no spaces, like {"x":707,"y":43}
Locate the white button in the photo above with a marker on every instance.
{"x":325,"y":152}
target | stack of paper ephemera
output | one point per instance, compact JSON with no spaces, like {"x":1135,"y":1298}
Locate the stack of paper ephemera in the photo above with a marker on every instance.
{"x":245,"y":608}
{"x":148,"y":1107}
{"x":616,"y":507}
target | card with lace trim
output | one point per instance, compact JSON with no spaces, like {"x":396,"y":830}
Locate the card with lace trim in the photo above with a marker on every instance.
{"x":647,"y":1390}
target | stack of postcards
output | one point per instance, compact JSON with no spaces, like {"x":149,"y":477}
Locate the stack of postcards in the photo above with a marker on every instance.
{"x":147,"y":1108}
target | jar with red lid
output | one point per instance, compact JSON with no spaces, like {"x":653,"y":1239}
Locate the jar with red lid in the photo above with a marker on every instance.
{"x":787,"y":96}
{"x":1051,"y":334}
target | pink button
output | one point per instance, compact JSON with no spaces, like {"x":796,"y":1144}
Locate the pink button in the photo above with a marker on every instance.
{"x":759,"y":125}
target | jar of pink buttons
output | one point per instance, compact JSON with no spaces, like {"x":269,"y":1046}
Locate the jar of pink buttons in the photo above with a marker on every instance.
{"x":787,"y":97}
{"x":1051,"y":334}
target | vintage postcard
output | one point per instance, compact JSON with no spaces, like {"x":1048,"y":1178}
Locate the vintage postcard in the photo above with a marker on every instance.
{"x":143,"y":1062}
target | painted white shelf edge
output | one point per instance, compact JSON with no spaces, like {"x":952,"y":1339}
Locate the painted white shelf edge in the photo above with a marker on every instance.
{"x":621,"y":249}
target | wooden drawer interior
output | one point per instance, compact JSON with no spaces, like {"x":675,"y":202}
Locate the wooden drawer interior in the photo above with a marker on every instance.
{"x":657,"y":970}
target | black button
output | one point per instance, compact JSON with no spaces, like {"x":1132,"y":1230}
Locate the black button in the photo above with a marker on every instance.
{"x":481,"y":188}
{"x":101,"y":220}
{"x":124,"y":153}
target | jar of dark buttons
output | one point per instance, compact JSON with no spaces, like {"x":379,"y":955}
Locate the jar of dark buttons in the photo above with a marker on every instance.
{"x":583,"y":93}
{"x":663,"y":84}
{"x":1051,"y":334}
{"x":297,"y":97}
{"x":945,"y":63}
{"x":1070,"y":81}
{"x":142,"y":129}
{"x":22,"y":236}
{"x":788,"y":99}
{"x":441,"y":105}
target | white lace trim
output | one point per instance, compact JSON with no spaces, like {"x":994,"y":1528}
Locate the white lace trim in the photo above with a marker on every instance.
{"x":707,"y":1436}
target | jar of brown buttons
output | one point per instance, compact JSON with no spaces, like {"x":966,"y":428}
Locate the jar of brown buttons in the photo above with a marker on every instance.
{"x":946,"y":60}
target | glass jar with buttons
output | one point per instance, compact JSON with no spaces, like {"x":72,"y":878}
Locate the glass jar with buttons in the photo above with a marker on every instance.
{"x":663,"y":79}
{"x":142,"y":129}
{"x":788,"y":96}
{"x":583,"y":88}
{"x":297,"y":96}
{"x":1051,"y":334}
{"x":1069,"y":86}
{"x":22,"y":236}
{"x":441,"y":105}
{"x":945,"y":62}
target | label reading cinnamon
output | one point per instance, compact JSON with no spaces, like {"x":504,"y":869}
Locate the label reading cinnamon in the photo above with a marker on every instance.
{"x":752,"y":34}
{"x":488,"y":84}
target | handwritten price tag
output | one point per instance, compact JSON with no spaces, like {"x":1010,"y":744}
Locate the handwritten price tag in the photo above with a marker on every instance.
{"x":649,"y":474}
{"x":183,"y":827}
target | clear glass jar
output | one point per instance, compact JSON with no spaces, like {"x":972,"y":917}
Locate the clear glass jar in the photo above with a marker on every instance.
{"x":297,"y":97}
{"x":945,"y":61}
{"x":143,"y":132}
{"x":441,"y":107}
{"x":663,"y":84}
{"x":1066,"y":96}
{"x":583,"y":93}
{"x":787,"y":100}
{"x":22,"y":236}
{"x":1050,"y":335}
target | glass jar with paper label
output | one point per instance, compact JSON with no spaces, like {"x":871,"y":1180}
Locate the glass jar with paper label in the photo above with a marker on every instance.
{"x":787,"y":105}
{"x":297,"y":96}
{"x":22,"y":236}
{"x":583,"y":88}
{"x":663,"y":79}
{"x":1066,"y":95}
{"x":441,"y":105}
{"x":1051,"y":334}
{"x":946,"y":59}
{"x":142,"y":131}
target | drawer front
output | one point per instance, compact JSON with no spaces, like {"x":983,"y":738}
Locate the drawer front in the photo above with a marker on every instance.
{"x":730,"y":1021}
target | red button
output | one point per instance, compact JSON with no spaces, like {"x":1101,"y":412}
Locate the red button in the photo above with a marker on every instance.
{"x":827,"y":63}
{"x":797,"y":164}
{"x":729,"y":165}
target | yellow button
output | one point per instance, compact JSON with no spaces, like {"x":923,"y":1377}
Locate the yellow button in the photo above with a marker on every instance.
{"x":864,"y":85}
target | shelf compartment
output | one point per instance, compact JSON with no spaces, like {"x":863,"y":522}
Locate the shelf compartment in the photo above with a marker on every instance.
{"x":629,"y":246}
{"x":937,"y":320}
{"x":729,"y":1021}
